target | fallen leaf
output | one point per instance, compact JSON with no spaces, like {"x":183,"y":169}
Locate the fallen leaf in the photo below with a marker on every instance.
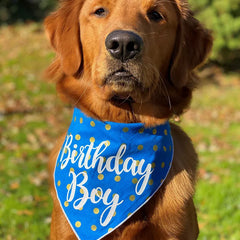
{"x":25,"y":212}
{"x":14,"y":185}
{"x":39,"y":178}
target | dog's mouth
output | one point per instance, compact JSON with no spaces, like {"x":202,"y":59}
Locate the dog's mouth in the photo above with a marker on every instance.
{"x":122,"y":80}
{"x":123,"y":86}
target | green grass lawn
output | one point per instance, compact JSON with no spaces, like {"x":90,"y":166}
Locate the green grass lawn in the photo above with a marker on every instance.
{"x":32,"y":117}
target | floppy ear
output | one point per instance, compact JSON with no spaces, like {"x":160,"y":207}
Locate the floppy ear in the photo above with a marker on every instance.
{"x":193,"y":43}
{"x":63,"y":31}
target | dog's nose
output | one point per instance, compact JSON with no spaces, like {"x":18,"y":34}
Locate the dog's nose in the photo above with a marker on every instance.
{"x":123,"y":45}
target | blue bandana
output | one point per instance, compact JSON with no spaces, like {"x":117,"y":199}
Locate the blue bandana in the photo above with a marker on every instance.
{"x":106,"y":171}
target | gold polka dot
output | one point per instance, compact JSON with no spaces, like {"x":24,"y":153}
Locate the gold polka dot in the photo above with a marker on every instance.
{"x":77,"y":137}
{"x":80,"y":209}
{"x":78,"y":224}
{"x":125,"y":129}
{"x":100,"y":176}
{"x":96,"y":210}
{"x":150,"y":182}
{"x":94,"y":228}
{"x":154,"y":131}
{"x":114,"y":214}
{"x":104,"y":159}
{"x":81,"y":120}
{"x":162,"y":181}
{"x":59,"y":183}
{"x":92,"y":123}
{"x":140,"y":147}
{"x":170,"y":148}
{"x":75,"y":153}
{"x":81,"y":191}
{"x":99,"y":193}
{"x":135,"y":180}
{"x":163,"y":164}
{"x":108,"y":127}
{"x":71,"y":169}
{"x":110,"y":229}
{"x":153,"y":165}
{"x":92,"y":139}
{"x":132,"y":197}
{"x":65,"y":150}
{"x":155,"y":148}
{"x":141,"y":130}
{"x":165,"y":149}
{"x":137,"y":162}
{"x":165,"y":132}
{"x":120,"y":161}
{"x":129,"y":214}
{"x":113,"y":195}
{"x":89,"y":157}
{"x":68,"y":186}
{"x":117,"y":178}
{"x":75,"y":119}
{"x":66,"y":204}
{"x":107,"y":143}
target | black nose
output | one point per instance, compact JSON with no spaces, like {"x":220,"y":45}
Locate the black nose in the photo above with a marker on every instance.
{"x":123,"y":45}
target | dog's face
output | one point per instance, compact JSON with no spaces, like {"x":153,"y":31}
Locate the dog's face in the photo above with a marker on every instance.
{"x":127,"y":47}
{"x":127,"y":60}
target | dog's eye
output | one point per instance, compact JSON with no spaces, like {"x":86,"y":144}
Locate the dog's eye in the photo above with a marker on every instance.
{"x":100,"y":12}
{"x":154,"y":16}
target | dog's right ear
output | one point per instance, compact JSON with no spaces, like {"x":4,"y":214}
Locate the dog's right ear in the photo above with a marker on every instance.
{"x":193,"y":45}
{"x":63,"y":30}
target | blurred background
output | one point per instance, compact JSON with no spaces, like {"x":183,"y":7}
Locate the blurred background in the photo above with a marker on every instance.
{"x":32,"y":117}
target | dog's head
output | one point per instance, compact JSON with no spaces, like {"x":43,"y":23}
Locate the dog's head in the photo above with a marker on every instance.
{"x":127,"y":60}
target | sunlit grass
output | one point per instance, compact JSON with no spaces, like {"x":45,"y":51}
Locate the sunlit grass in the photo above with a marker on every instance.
{"x":213,"y":124}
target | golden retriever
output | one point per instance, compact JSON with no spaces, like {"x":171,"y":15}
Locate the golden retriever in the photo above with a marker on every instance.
{"x":132,"y":61}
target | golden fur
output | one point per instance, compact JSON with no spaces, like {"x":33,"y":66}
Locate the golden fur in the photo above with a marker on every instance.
{"x":173,"y":48}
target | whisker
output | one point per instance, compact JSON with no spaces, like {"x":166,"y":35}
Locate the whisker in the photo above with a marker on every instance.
{"x":156,"y":84}
{"x":79,"y":98}
{"x":166,"y":91}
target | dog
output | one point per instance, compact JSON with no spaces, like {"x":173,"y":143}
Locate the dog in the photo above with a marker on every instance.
{"x":129,"y":62}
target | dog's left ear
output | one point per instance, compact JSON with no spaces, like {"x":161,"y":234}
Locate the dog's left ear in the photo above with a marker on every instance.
{"x":193,"y":44}
{"x":63,"y":30}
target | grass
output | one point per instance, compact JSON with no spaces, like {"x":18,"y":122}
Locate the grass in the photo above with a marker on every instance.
{"x":218,"y":145}
{"x":30,"y":124}
{"x":213,"y":124}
